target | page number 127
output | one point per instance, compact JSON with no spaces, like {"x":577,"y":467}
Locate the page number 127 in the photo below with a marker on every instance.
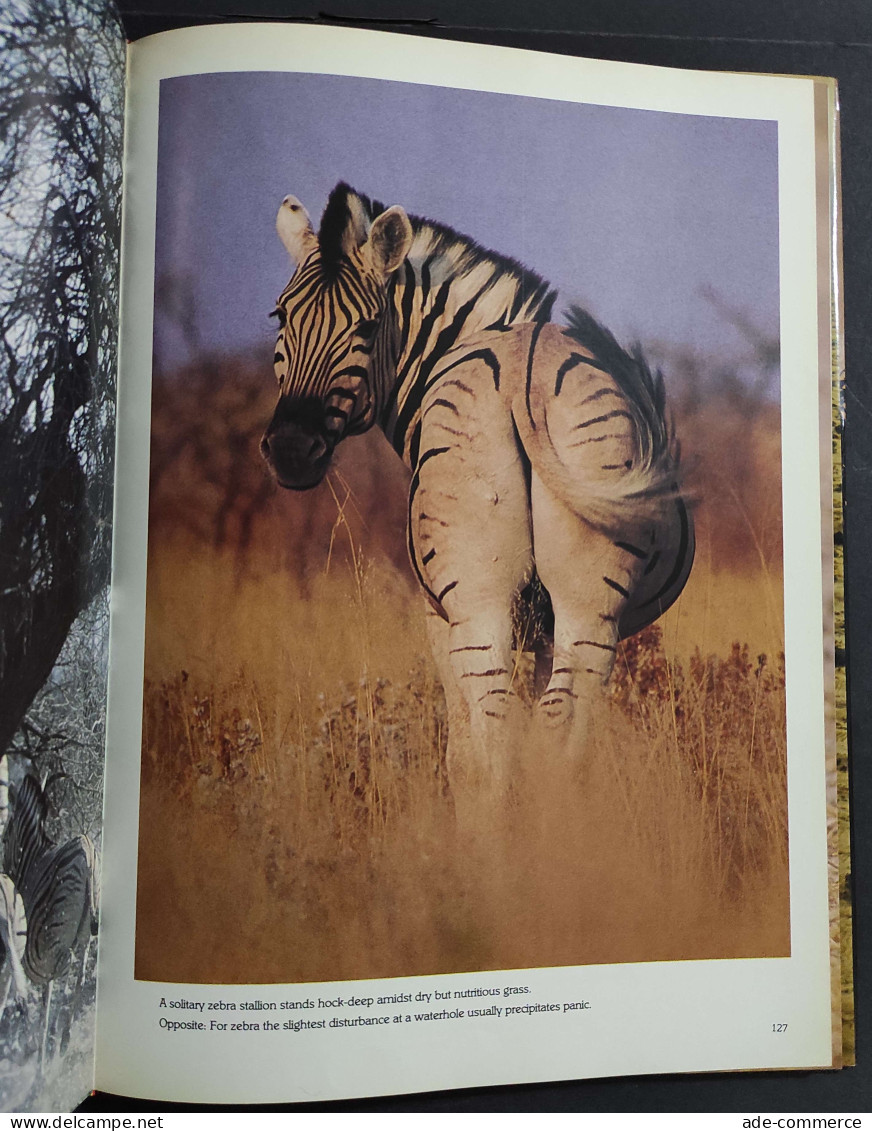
{"x":779,"y":1027}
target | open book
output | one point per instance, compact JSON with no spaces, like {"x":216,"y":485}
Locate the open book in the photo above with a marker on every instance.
{"x":472,"y":688}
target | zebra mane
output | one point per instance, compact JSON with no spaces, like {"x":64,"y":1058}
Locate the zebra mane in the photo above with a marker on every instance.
{"x":344,"y":225}
{"x":441,"y":255}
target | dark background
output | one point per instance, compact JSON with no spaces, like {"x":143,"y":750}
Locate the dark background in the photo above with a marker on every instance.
{"x":820,"y":37}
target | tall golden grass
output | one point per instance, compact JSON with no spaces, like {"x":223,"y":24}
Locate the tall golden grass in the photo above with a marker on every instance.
{"x":296,"y":819}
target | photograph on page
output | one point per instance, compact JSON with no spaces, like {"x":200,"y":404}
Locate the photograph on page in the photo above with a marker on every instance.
{"x":465,"y":596}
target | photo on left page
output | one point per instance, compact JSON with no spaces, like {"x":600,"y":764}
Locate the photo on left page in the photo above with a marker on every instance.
{"x":465,"y":610}
{"x":61,"y":110}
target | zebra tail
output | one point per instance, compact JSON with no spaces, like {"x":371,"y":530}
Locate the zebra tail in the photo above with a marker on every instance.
{"x":612,"y":505}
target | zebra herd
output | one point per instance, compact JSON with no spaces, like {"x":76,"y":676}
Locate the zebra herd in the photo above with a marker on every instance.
{"x":49,"y":899}
{"x":544,"y":504}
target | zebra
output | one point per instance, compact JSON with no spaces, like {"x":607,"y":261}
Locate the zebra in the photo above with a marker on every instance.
{"x":59,"y":889}
{"x":544,"y":468}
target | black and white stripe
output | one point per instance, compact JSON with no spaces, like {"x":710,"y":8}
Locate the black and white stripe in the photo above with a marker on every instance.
{"x":59,"y":889}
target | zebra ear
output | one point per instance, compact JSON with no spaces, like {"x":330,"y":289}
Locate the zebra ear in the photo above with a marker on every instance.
{"x":295,"y":229}
{"x":390,"y":239}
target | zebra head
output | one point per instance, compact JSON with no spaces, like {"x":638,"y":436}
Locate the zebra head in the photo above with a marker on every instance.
{"x":334,"y":333}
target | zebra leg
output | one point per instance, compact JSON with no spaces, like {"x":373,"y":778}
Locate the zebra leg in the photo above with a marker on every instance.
{"x":469,"y":527}
{"x":73,"y":1003}
{"x":543,"y":663}
{"x":477,"y":755}
{"x":456,"y":705}
{"x":46,"y":1000}
{"x":589,"y":577}
{"x":485,"y":712}
{"x":483,"y":674}
{"x":5,"y":986}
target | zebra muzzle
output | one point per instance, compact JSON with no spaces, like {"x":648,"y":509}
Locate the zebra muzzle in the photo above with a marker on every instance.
{"x":298,"y":458}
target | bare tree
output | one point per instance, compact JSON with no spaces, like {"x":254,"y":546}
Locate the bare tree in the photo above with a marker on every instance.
{"x":61,"y":91}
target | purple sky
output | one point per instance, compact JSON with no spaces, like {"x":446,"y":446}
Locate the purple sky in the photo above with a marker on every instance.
{"x":631,"y":213}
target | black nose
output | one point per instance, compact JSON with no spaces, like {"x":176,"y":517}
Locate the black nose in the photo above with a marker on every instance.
{"x":292,"y":444}
{"x":298,"y":457}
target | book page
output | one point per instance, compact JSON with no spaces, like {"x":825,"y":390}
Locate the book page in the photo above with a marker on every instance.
{"x":504,"y":760}
{"x":61,"y":124}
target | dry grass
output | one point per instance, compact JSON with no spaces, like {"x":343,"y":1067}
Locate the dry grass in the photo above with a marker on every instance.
{"x":296,"y":821}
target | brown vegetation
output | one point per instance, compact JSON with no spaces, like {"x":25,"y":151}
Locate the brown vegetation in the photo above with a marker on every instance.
{"x":296,"y":820}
